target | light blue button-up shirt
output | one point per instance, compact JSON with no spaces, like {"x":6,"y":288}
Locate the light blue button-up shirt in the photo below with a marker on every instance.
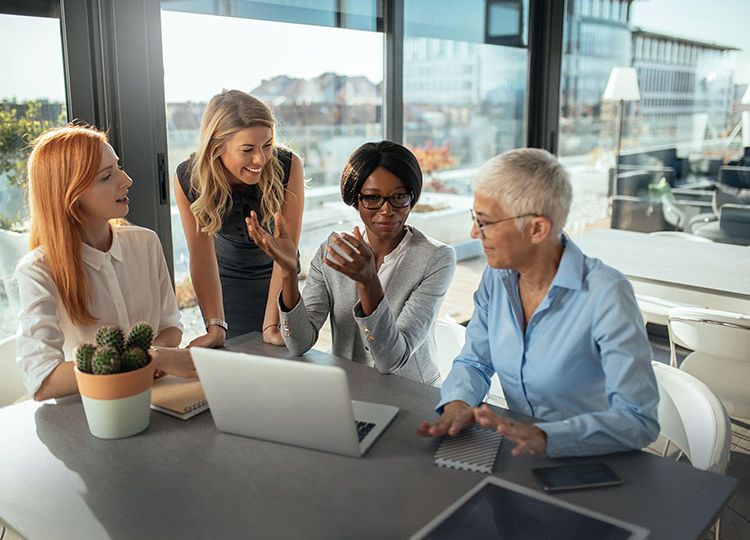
{"x":582,"y":365}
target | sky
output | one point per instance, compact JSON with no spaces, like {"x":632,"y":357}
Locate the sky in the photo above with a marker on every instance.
{"x":239,"y":53}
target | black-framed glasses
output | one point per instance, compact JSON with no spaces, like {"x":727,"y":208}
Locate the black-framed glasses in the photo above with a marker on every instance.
{"x":397,"y":200}
{"x":482,"y":224}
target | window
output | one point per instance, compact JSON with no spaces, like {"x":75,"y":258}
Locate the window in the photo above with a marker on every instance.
{"x":327,"y":94}
{"x":685,"y":113}
{"x":470,"y":105}
{"x":32,"y":99}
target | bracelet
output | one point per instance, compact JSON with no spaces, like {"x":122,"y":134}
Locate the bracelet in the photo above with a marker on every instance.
{"x":269,"y":326}
{"x":217,"y":322}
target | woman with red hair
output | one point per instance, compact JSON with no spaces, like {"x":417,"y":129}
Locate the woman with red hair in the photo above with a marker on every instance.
{"x":84,"y":270}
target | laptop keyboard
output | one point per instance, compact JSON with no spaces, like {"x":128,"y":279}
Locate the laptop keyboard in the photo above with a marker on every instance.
{"x":363,"y":428}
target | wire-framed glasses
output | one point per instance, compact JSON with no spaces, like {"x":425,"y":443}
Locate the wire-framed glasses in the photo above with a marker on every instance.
{"x":481,"y":224}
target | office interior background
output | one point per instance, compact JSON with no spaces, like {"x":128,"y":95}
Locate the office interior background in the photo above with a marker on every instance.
{"x":458,"y":82}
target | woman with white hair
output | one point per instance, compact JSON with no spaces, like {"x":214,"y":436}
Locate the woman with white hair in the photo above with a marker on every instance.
{"x":562,"y":330}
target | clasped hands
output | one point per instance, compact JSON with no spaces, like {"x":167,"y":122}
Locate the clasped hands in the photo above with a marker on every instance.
{"x":457,"y":415}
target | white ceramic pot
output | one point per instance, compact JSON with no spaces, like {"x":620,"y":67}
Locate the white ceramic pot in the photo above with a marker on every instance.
{"x":117,"y":405}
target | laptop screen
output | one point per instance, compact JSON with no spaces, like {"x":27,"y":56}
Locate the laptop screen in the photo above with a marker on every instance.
{"x":499,"y":512}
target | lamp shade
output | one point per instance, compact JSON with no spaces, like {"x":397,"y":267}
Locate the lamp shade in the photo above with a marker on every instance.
{"x":622,"y":85}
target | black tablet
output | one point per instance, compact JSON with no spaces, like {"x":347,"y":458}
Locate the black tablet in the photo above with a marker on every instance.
{"x":497,"y":509}
{"x":579,"y":476}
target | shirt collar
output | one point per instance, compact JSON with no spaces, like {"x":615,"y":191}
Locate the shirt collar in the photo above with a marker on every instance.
{"x":570,"y":272}
{"x":399,"y":248}
{"x":95,"y":258}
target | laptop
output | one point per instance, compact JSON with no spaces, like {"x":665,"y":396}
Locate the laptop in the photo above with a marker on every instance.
{"x":288,"y":401}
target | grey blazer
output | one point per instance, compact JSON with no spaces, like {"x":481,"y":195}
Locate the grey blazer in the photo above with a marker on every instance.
{"x":399,"y":336}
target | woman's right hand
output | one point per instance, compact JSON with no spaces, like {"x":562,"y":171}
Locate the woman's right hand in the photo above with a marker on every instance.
{"x":456,"y":416}
{"x":279,"y":247}
{"x":174,"y":361}
{"x":213,"y":338}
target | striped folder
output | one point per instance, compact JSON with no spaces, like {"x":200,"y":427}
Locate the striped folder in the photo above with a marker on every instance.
{"x":474,"y":449}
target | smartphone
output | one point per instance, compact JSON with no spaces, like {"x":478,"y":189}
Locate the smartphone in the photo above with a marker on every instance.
{"x":337,"y":249}
{"x":585,"y":475}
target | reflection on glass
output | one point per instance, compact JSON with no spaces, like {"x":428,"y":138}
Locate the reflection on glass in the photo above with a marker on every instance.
{"x":683,"y":129}
{"x":32,"y":99}
{"x":326,"y":96}
{"x":464,"y":99}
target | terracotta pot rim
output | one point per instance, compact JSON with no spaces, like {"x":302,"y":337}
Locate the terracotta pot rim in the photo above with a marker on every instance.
{"x":115,"y":385}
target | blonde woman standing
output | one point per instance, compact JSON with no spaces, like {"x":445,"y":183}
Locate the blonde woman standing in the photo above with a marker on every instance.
{"x":237,"y":169}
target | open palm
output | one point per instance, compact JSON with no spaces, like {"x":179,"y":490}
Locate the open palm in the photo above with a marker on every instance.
{"x":278,"y":246}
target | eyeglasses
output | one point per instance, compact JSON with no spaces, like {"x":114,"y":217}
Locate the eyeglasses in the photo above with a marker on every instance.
{"x":397,"y":200}
{"x":482,"y":224}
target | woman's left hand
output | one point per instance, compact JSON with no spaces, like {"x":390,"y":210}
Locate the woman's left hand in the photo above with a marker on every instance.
{"x":272,"y":335}
{"x":529,"y":439}
{"x":362,"y":266}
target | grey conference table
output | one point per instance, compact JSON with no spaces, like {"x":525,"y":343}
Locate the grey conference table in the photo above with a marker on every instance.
{"x":187,"y":480}
{"x":708,"y":274}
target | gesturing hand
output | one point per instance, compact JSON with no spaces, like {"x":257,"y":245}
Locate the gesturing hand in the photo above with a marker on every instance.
{"x":279,"y":247}
{"x":456,"y":416}
{"x":362,"y":266}
{"x":529,"y":439}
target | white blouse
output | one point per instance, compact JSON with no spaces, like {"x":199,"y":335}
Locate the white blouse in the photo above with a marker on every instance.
{"x":128,"y":284}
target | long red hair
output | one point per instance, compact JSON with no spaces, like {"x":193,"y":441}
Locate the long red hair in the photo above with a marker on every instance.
{"x":63,"y":164}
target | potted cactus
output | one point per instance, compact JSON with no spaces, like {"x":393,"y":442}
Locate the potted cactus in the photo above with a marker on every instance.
{"x":114,"y":378}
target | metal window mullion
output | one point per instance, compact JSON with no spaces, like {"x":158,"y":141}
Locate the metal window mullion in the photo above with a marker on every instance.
{"x":393,"y":87}
{"x":546,"y":19}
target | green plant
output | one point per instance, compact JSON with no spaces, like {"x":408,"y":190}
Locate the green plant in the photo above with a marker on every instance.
{"x":20,"y":124}
{"x":85,"y":357}
{"x":112,"y":354}
{"x":111,"y":336}
{"x":106,"y":361}
{"x":134,"y":358}
{"x":140,"y":336}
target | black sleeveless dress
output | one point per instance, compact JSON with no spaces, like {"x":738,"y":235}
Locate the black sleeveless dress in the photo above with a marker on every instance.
{"x":244,"y":269}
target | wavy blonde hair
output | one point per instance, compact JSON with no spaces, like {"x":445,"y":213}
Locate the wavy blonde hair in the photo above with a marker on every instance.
{"x":62,"y":166}
{"x":226,"y":114}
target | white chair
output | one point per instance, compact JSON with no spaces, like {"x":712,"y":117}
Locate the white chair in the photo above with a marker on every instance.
{"x":721,"y":358}
{"x":692,"y":418}
{"x":449,"y":339}
{"x":656,"y":310}
{"x":682,"y":235}
{"x":11,"y":382}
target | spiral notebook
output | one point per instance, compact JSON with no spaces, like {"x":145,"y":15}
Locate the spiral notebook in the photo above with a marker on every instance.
{"x":181,"y":398}
{"x":474,"y":449}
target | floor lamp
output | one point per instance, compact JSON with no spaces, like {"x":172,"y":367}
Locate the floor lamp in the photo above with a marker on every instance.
{"x":622,"y":86}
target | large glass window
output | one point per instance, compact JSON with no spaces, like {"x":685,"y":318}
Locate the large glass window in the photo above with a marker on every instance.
{"x":32,"y":99}
{"x":692,"y":66}
{"x":465,"y":72}
{"x":320,"y":70}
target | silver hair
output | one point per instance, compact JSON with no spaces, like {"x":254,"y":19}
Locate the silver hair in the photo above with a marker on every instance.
{"x":528,"y":180}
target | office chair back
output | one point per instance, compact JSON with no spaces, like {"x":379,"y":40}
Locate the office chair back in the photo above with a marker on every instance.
{"x":11,"y":381}
{"x":449,"y":340}
{"x":720,"y":342}
{"x":693,"y":418}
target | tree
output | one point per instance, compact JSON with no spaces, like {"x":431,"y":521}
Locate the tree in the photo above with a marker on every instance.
{"x":20,"y":124}
{"x":433,"y":158}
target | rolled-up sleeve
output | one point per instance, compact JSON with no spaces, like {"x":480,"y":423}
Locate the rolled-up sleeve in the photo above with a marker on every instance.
{"x":469,"y":378}
{"x":39,"y":338}
{"x":631,"y":421}
{"x":392,"y":338}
